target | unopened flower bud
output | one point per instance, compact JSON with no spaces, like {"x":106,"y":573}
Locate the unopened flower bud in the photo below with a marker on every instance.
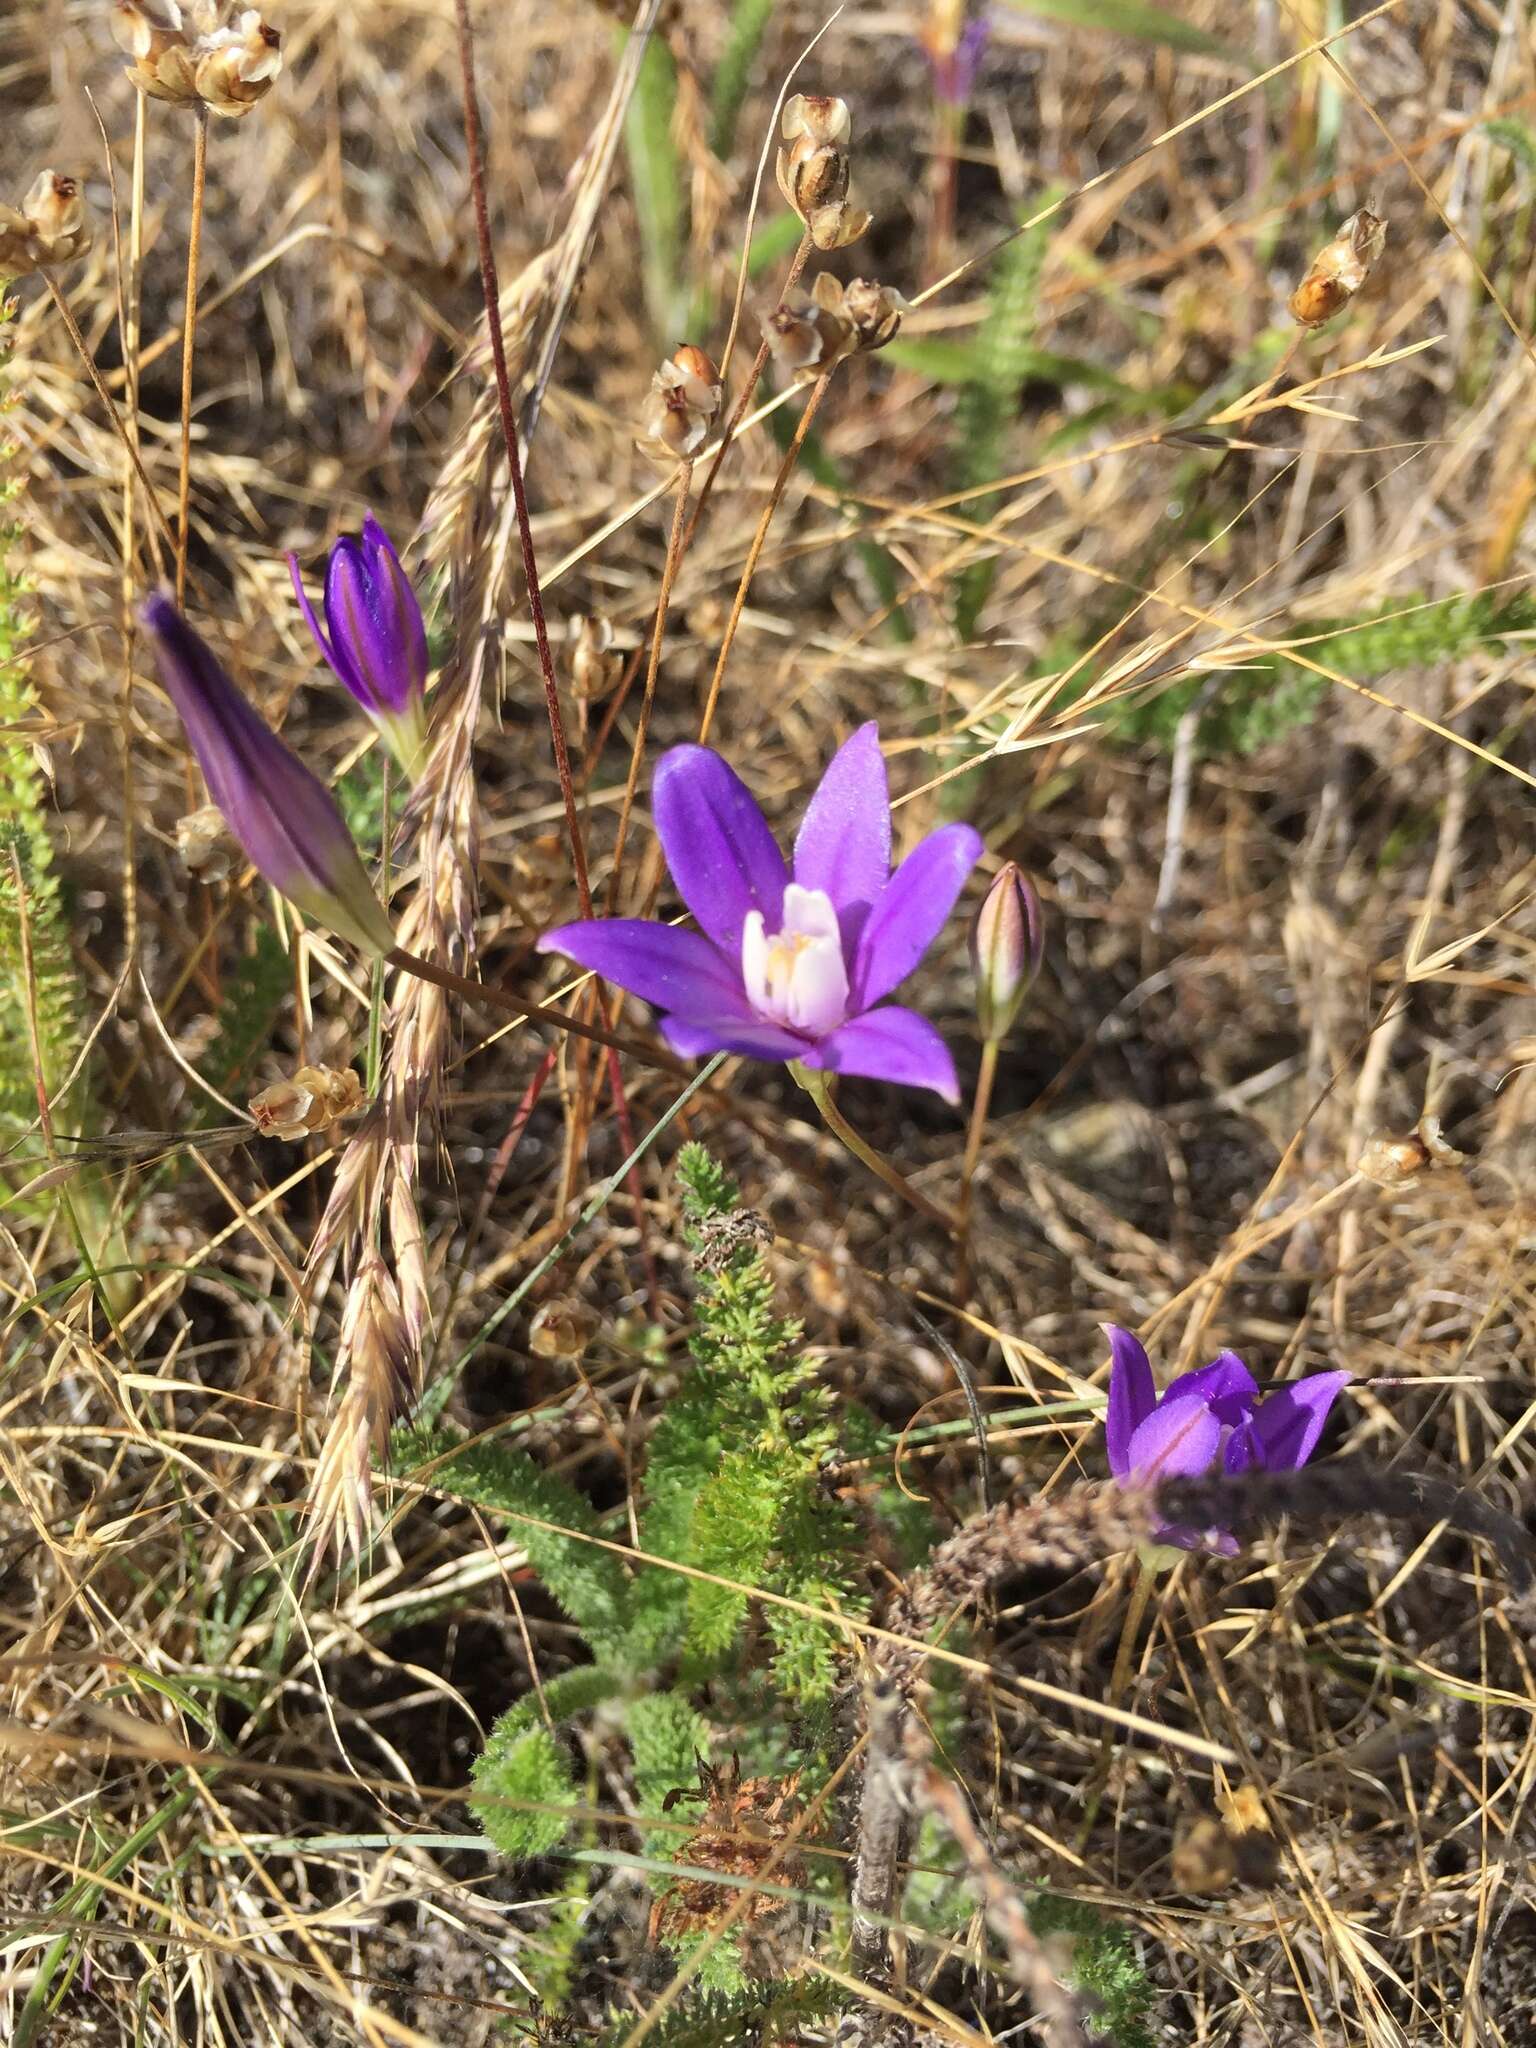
{"x":595,"y":667}
{"x":813,"y":171}
{"x":683,"y":402}
{"x":1007,"y":942}
{"x":313,"y":1100}
{"x":286,"y":820}
{"x":1339,"y":270}
{"x":377,"y":641}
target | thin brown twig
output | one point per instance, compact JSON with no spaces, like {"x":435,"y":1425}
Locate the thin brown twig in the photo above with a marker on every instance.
{"x":188,"y":347}
{"x":491,"y":291}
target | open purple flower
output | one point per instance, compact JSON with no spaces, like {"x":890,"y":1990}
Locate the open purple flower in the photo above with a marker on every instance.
{"x":377,"y":644}
{"x":1211,"y":1414}
{"x":285,"y":819}
{"x":788,"y":966}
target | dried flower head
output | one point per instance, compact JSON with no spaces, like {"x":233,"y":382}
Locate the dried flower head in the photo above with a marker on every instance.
{"x":684,"y":399}
{"x":595,"y":667}
{"x":807,"y":337}
{"x":562,"y":1328}
{"x":314,"y":1100}
{"x":50,"y":227}
{"x":1339,"y":270}
{"x":198,"y":53}
{"x":813,"y":170}
{"x":741,"y":1833}
{"x":204,"y":843}
{"x":1398,"y":1162}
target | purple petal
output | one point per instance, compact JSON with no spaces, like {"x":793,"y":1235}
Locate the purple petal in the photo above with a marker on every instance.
{"x":717,"y":843}
{"x":1177,"y":1440}
{"x":692,"y":1037}
{"x":1226,"y":1386}
{"x":311,"y":619}
{"x":1285,"y":1428}
{"x":663,"y":964}
{"x":911,"y":911}
{"x":285,"y":818}
{"x":890,"y":1045}
{"x":1132,"y":1396}
{"x":361,"y":651}
{"x":844,"y":844}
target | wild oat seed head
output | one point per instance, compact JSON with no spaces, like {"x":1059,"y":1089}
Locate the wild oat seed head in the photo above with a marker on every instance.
{"x":683,"y":402}
{"x":1339,"y":270}
{"x":813,"y":169}
{"x":50,"y":227}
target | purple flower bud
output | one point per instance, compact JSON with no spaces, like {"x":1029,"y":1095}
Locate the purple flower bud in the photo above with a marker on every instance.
{"x":1007,"y":942}
{"x":285,"y":819}
{"x":377,"y":643}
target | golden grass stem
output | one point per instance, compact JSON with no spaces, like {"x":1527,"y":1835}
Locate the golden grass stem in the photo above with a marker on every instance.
{"x":759,"y":541}
{"x":818,"y":1086}
{"x":188,"y":350}
{"x":82,"y":349}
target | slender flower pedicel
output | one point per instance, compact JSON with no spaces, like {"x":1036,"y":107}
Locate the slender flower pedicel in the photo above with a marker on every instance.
{"x":377,"y":644}
{"x":1209,"y":1415}
{"x":285,"y":819}
{"x":788,"y":966}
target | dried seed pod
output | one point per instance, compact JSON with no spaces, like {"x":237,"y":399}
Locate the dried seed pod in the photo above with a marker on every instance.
{"x":237,"y":65}
{"x":1339,"y":270}
{"x":1398,"y":1162}
{"x":813,"y":169}
{"x":683,"y":402}
{"x":807,"y":337}
{"x":742,"y":1830}
{"x":204,"y":843}
{"x":595,"y":668}
{"x":561,"y":1329}
{"x":314,"y":1100}
{"x":50,"y":227}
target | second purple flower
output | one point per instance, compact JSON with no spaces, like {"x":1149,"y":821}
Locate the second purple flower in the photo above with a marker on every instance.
{"x":377,"y":642}
{"x":788,"y":965}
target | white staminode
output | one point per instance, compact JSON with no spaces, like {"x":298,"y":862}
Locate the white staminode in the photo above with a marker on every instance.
{"x":797,"y":977}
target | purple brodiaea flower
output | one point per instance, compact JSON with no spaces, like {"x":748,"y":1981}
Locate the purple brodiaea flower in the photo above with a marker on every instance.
{"x":377,"y":644}
{"x":285,"y":819}
{"x":788,"y":966}
{"x":955,"y":49}
{"x":1211,"y":1414}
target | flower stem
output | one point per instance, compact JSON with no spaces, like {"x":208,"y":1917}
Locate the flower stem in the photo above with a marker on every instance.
{"x":759,"y":541}
{"x":819,"y":1087}
{"x":981,"y":1103}
{"x":188,"y":345}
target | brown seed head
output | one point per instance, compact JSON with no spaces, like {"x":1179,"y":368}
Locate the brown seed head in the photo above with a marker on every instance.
{"x":595,"y":668}
{"x":314,"y":1100}
{"x":684,"y":399}
{"x":561,"y":1329}
{"x":50,"y":227}
{"x":238,"y":65}
{"x":1339,"y":270}
{"x":204,"y":843}
{"x":198,"y":53}
{"x":813,"y":169}
{"x":807,"y":337}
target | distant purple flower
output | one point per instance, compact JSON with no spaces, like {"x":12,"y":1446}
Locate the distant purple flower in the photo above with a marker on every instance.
{"x":1209,"y":1414}
{"x":378,"y":643}
{"x":788,"y":968}
{"x":285,"y":819}
{"x":955,"y":66}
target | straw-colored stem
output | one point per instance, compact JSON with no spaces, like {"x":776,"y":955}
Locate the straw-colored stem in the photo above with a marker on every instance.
{"x":818,"y":1086}
{"x":491,"y":293}
{"x":72,"y":328}
{"x":739,"y":409}
{"x":188,"y":349}
{"x":647,"y":702}
{"x":535,"y":1013}
{"x":759,"y":541}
